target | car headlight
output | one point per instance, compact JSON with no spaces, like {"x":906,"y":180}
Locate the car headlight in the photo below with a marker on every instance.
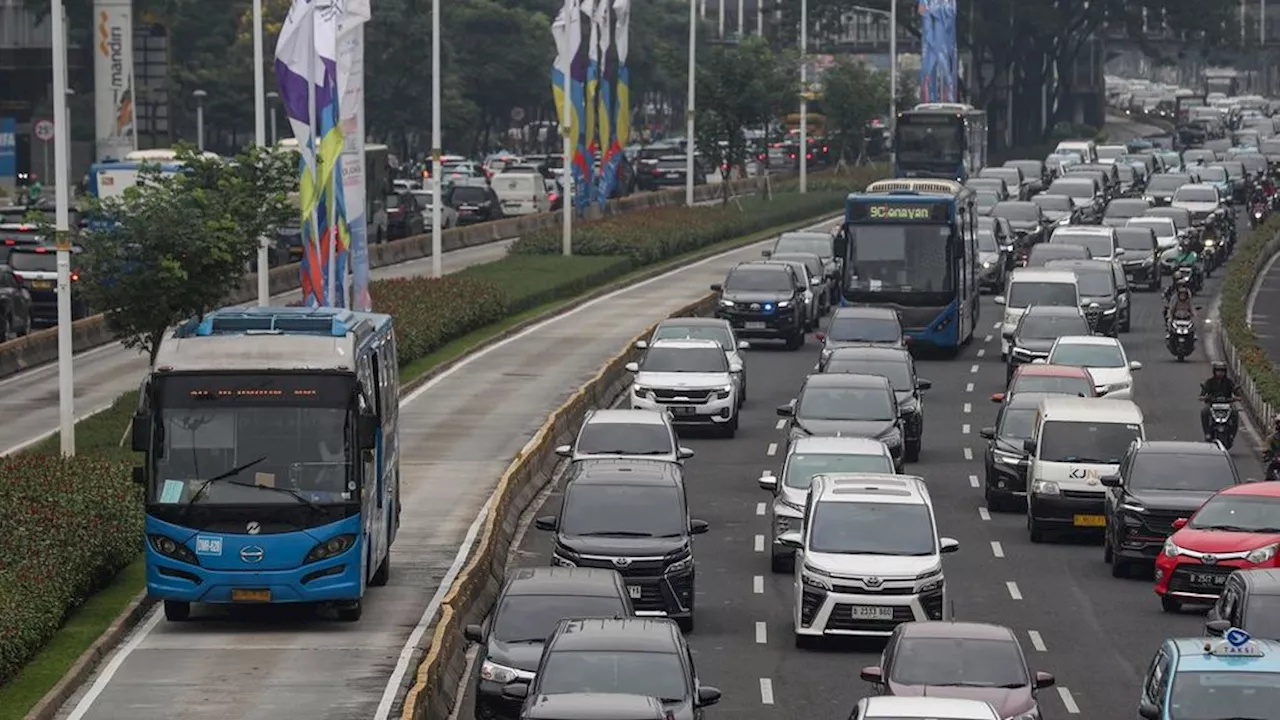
{"x":679,"y":566}
{"x":1118,"y":386}
{"x":1109,"y":311}
{"x":1045,"y":487}
{"x":559,"y":560}
{"x":1032,"y":714}
{"x":639,"y":390}
{"x":1007,"y":458}
{"x":1148,"y":261}
{"x":1171,"y":549}
{"x":726,"y":303}
{"x":814,"y":577}
{"x":1209,"y":243}
{"x":724,"y":392}
{"x":783,"y":304}
{"x":1262,"y":554}
{"x":986,"y":266}
{"x":501,"y":674}
{"x":931,"y":580}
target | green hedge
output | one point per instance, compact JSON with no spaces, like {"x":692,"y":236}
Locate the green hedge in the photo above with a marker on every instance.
{"x":1247,"y":260}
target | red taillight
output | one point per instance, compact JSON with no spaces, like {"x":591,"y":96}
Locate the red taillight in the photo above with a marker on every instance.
{"x":42,"y":250}
{"x":808,"y":156}
{"x":10,"y":241}
{"x":655,"y":171}
{"x":17,"y":277}
{"x":75,"y":276}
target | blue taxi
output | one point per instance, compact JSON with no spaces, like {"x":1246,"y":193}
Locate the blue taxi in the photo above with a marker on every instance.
{"x":1235,"y":676}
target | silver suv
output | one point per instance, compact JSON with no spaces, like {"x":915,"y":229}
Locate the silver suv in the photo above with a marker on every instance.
{"x":626,"y":434}
{"x":691,"y":380}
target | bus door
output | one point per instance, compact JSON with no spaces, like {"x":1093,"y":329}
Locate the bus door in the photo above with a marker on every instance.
{"x":371,"y":479}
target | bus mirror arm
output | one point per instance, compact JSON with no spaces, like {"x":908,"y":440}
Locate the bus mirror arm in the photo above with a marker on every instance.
{"x":141,"y":432}
{"x":367,"y":431}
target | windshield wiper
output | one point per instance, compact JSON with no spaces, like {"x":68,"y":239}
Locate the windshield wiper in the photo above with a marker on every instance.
{"x":1012,"y":685}
{"x":525,"y":641}
{"x":205,"y":485}
{"x":1226,"y":528}
{"x":287,"y":491}
{"x":615,"y":533}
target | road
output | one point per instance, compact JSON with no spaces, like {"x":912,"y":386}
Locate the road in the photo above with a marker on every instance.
{"x":1094,"y":632}
{"x":1121,"y":129}
{"x":458,"y":433}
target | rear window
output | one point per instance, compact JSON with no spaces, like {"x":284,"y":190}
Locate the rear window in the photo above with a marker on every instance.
{"x":33,"y":262}
{"x":472,"y":195}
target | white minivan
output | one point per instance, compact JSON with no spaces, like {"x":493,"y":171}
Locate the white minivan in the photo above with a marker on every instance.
{"x":521,"y":193}
{"x":1033,"y":286}
{"x":1075,"y":443}
{"x":1086,"y":149}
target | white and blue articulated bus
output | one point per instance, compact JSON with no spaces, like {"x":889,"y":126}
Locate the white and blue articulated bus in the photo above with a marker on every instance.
{"x":911,"y":245}
{"x":270,"y":464}
{"x":947,"y":141}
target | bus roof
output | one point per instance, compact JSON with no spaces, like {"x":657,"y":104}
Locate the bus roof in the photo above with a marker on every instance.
{"x":922,"y":186}
{"x":943,"y":107}
{"x":159,"y":155}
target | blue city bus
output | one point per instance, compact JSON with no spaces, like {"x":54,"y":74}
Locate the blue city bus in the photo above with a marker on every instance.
{"x":271,"y":459}
{"x":911,"y":245}
{"x":947,"y":141}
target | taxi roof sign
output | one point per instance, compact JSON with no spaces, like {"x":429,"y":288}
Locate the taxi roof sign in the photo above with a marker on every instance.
{"x":1234,"y":643}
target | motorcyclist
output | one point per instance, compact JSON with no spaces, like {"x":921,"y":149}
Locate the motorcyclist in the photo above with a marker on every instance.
{"x":1273,"y":443}
{"x":1218,"y":388}
{"x":1178,"y":304}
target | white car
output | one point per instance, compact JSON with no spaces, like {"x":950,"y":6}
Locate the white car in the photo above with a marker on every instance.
{"x":1103,"y":357}
{"x":890,"y":707}
{"x":1099,"y":239}
{"x":448,"y":215}
{"x":1033,"y":286}
{"x":717,"y":329}
{"x":868,"y":557}
{"x":691,"y":380}
{"x":1200,"y":199}
{"x":1166,"y":232}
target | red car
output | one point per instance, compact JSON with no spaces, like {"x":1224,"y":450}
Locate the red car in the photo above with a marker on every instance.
{"x":1238,"y":527}
{"x":1053,"y":379}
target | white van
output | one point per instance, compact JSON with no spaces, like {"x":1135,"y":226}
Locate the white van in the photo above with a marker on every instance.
{"x":1087,"y":149}
{"x":1033,"y":286}
{"x":521,"y":193}
{"x":1076,"y":442}
{"x":1101,"y":240}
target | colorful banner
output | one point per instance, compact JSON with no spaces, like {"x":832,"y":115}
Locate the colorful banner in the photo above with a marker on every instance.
{"x":8,"y":153}
{"x":567,"y":31}
{"x":607,"y":175}
{"x":115,"y":131}
{"x":938,"y":60}
{"x":351,"y":121}
{"x":622,"y":84}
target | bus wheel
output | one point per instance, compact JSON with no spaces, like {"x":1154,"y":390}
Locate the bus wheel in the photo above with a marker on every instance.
{"x":352,"y":612}
{"x":383,"y":573}
{"x":175,"y":611}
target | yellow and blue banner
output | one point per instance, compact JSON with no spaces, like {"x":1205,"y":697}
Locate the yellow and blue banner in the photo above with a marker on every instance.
{"x":622,"y":76}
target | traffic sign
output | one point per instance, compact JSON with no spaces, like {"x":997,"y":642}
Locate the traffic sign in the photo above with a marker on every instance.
{"x":44,"y":130}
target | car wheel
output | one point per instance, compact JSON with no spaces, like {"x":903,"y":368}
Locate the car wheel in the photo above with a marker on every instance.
{"x":1035,"y":530}
{"x":1170,"y":605}
{"x":912,"y":451}
{"x":686,"y":624}
{"x":995,"y":503}
{"x":1107,"y":556}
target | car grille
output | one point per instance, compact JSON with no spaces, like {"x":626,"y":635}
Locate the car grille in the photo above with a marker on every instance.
{"x":662,"y":395}
{"x":1083,"y":494}
{"x":859,"y":590}
{"x":841,"y":618}
{"x":1180,"y":580}
{"x":650,"y":598}
{"x":1160,"y":522}
{"x":638,"y":568}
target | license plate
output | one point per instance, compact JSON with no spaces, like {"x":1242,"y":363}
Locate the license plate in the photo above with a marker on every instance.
{"x":634,"y":591}
{"x":681,"y":410}
{"x":1208,"y":579}
{"x":42,"y":284}
{"x":256,"y":596}
{"x":871,"y":612}
{"x":1089,"y":521}
{"x":755,"y":326}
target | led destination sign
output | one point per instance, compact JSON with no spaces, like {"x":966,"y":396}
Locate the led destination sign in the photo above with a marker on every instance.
{"x":899,"y":212}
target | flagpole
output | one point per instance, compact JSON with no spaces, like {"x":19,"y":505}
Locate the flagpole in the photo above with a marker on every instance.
{"x":437,"y":187}
{"x":566,"y":67}
{"x":691,"y":143}
{"x":260,"y":137}
{"x":315,"y":162}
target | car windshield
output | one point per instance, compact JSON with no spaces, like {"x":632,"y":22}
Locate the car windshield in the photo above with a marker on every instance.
{"x":621,"y":510}
{"x":1088,"y":355}
{"x":1214,"y":174}
{"x":869,"y":528}
{"x":1051,"y":327}
{"x":758,"y":280}
{"x":1178,"y":216}
{"x":424,"y":197}
{"x":1072,"y":188}
{"x":688,"y":359}
{"x":608,"y":438}
{"x":1024,"y":212}
{"x":1196,"y":472}
{"x":820,"y":246}
{"x":864,"y":329}
{"x":987,"y":241}
{"x":1042,"y":254}
{"x":469,"y":195}
{"x":1126,"y":173}
{"x":655,"y":674}
{"x":1212,"y":695}
{"x":1135,"y":238}
{"x":1055,"y":384}
{"x":897,"y":373}
{"x":1166,"y":183}
{"x":1027,"y":293}
{"x":1100,"y":246}
{"x":531,"y":618}
{"x":1094,"y":283}
{"x":1196,"y":195}
{"x":1239,"y":513}
{"x":1270,"y":147}
{"x":846,"y":403}
{"x":33,"y":262}
{"x":1111,"y":152}
{"x":1060,"y":203}
{"x":1029,"y":168}
{"x":1017,"y":423}
{"x":802,"y":467}
{"x":1086,"y":442}
{"x":719,"y":333}
{"x":976,"y":662}
{"x":811,"y":262}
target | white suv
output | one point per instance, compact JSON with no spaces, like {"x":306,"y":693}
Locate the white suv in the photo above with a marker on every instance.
{"x":691,"y":379}
{"x":869,"y":557}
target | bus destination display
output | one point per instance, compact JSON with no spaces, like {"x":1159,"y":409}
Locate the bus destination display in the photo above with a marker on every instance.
{"x":899,"y":212}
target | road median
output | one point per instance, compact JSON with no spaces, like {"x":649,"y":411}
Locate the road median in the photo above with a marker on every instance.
{"x":1250,"y":364}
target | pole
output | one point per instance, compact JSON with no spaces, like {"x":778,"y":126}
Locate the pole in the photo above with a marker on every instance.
{"x":62,"y":183}
{"x":437,"y":187}
{"x":760,"y":18}
{"x":690,"y":101}
{"x":893,"y":81}
{"x":200,"y":125}
{"x":721,"y":19}
{"x":567,"y":143}
{"x":1242,"y":31}
{"x":702,"y":13}
{"x":804,"y":100}
{"x":742,"y":12}
{"x":1262,"y":22}
{"x":274,"y":130}
{"x":260,"y":137}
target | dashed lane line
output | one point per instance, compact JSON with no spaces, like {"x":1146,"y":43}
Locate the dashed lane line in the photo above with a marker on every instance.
{"x":1014,"y":592}
{"x":964,"y":429}
{"x":968,"y":453}
{"x":1037,"y":642}
{"x":757,"y":584}
{"x":780,"y":424}
{"x":981,"y":352}
{"x":968,"y":408}
{"x":759,"y":543}
{"x":968,"y":388}
{"x":973,"y":369}
{"x":760,"y":508}
{"x":1068,"y":701}
{"x":973,"y":481}
{"x":984,"y":513}
{"x":762,"y":633}
{"x":772,"y":450}
{"x":997,"y":549}
{"x":766,"y":691}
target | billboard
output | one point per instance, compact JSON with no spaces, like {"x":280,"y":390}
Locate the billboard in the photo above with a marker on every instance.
{"x":8,"y":152}
{"x":113,"y":110}
{"x":938,"y":62}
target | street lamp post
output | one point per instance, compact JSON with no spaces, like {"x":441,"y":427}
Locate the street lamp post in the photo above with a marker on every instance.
{"x":200,"y":95}
{"x":272,"y":97}
{"x":437,"y":187}
{"x":691,"y":143}
{"x":260,"y":138}
{"x":62,"y":228}
{"x":804,"y":99}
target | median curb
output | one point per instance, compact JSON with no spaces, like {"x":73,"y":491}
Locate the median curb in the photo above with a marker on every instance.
{"x":1261,"y":411}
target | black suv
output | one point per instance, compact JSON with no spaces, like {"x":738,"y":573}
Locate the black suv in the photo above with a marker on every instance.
{"x":895,"y":365}
{"x":530,"y":606}
{"x":404,"y":216}
{"x":602,"y":659}
{"x":15,"y":305}
{"x":631,"y":516}
{"x":1159,"y":482}
{"x":1103,"y":300}
{"x":1037,"y":329}
{"x":764,"y":300}
{"x":1006,"y":457}
{"x":474,"y":200}
{"x":1141,"y":259}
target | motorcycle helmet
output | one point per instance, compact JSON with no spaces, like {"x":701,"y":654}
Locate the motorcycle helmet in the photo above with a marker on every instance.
{"x":1220,"y":369}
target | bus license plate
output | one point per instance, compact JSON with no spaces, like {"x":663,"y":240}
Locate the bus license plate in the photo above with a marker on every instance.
{"x":1208,"y":579}
{"x":1093,"y":521}
{"x":871,"y":612}
{"x":755,"y":325}
{"x":634,"y":591}
{"x":255,"y":596}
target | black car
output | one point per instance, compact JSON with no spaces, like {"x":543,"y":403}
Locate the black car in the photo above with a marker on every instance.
{"x":15,"y":305}
{"x":817,"y":243}
{"x":1120,"y":210}
{"x":404,"y":216}
{"x":858,"y":326}
{"x":475,"y":202}
{"x":1037,"y":329}
{"x":595,"y":706}
{"x":671,"y":171}
{"x":1159,"y":482}
{"x":632,"y":516}
{"x":1162,"y":186}
{"x":764,"y":300}
{"x":36,"y":268}
{"x":1059,"y":209}
{"x":1035,"y":172}
{"x":1141,"y":259}
{"x":1104,"y":302}
{"x":897,"y":366}
{"x":1043,"y":254}
{"x":635,"y":656}
{"x":532,"y":603}
{"x":647,"y":159}
{"x":1027,"y":220}
{"x":847,"y":405}
{"x":1006,"y":458}
{"x":1250,"y":600}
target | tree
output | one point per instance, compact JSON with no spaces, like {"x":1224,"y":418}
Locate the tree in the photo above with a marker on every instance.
{"x":852,"y":94}
{"x":176,"y":245}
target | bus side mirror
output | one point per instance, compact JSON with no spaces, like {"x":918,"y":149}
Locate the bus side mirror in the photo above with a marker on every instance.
{"x":141,"y":432}
{"x":367,"y":431}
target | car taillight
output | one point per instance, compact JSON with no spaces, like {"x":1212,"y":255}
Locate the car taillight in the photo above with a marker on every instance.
{"x":17,"y":277}
{"x":75,"y":275}
{"x":655,"y":171}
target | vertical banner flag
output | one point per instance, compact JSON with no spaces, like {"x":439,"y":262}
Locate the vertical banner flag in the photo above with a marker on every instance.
{"x":590,"y":97}
{"x":567,"y":31}
{"x":354,"y":172}
{"x":607,"y":173}
{"x":622,"y":84}
{"x":8,"y":153}
{"x":583,"y":85}
{"x":333,"y":234}
{"x":114,"y":128}
{"x":938,"y":59}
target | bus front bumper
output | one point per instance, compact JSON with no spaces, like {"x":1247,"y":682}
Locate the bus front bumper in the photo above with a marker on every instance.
{"x":335,"y":580}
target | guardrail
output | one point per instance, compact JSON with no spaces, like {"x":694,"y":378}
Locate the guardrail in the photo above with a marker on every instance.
{"x":434,"y":693}
{"x":41,"y":347}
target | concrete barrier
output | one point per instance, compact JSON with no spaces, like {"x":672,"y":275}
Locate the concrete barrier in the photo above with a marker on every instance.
{"x":41,"y":347}
{"x":434,"y":692}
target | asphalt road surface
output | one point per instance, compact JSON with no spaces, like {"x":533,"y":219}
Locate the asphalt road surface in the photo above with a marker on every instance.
{"x":1096,"y":633}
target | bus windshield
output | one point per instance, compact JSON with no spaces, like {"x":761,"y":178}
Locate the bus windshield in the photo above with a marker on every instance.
{"x":899,"y":258}
{"x":930,"y":144}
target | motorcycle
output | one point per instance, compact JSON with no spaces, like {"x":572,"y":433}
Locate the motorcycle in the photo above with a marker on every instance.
{"x":1221,"y":427}
{"x":1272,"y":472}
{"x":1258,"y":212}
{"x":1181,"y":338}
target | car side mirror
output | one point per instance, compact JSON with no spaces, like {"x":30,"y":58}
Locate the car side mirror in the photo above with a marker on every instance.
{"x":367,"y":431}
{"x":1179,"y":523}
{"x":1148,"y":711}
{"x":787,"y":410}
{"x":744,"y":345}
{"x":1119,"y":251}
{"x":684,"y":453}
{"x":139,"y":475}
{"x":791,"y":539}
{"x":717,"y":287}
{"x":1029,"y":447}
{"x":473,"y":633}
{"x":708,"y":695}
{"x":547,"y":522}
{"x":922,"y":384}
{"x":997,"y":397}
{"x":999,"y":300}
{"x":1217,"y":627}
{"x":632,"y":367}
{"x":768,"y":482}
{"x":872,"y":674}
{"x":1111,"y":481}
{"x":1135,"y":365}
{"x":564,"y":450}
{"x":642,"y":344}
{"x":698,"y":527}
{"x":948,"y":545}
{"x":987,"y":433}
{"x":819,"y":336}
{"x":1044,"y":680}
{"x":515,"y":691}
{"x":141,"y":432}
{"x":1007,"y":335}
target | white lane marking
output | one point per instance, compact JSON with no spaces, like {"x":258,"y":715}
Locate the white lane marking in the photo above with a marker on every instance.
{"x":982,"y":352}
{"x":762,"y":633}
{"x":773,"y":450}
{"x":759,"y":543}
{"x":760,"y":508}
{"x":968,"y":408}
{"x":973,"y":481}
{"x":984,"y":513}
{"x":1014,"y":592}
{"x":1068,"y":701}
{"x":987,"y":338}
{"x":973,"y":369}
{"x":996,"y":326}
{"x":968,"y":453}
{"x":780,"y":424}
{"x":964,"y":429}
{"x":114,"y":666}
{"x":996,"y":549}
{"x":766,"y":691}
{"x":757,"y":584}
{"x":968,"y":387}
{"x":1037,"y":642}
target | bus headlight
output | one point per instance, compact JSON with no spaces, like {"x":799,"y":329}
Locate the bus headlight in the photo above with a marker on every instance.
{"x":171,"y":548}
{"x":330,"y":548}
